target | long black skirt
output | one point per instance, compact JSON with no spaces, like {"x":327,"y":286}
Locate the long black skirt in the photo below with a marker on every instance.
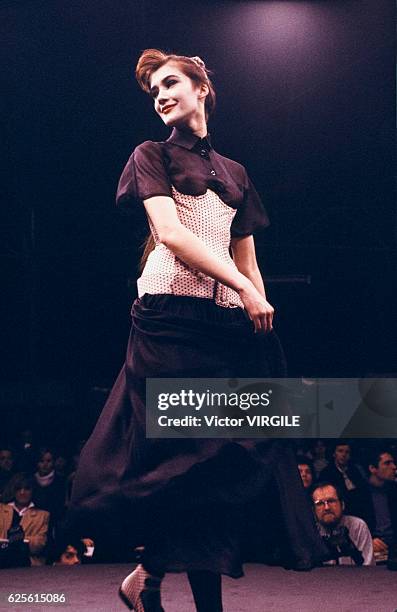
{"x":193,"y":504}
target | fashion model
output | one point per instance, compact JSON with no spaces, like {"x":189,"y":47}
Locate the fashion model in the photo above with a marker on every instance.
{"x":193,"y":505}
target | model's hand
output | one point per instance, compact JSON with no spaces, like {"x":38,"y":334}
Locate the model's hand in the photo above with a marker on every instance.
{"x":379,"y":546}
{"x":258,"y":308}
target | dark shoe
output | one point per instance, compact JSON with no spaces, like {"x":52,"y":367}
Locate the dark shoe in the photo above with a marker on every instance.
{"x":141,"y":592}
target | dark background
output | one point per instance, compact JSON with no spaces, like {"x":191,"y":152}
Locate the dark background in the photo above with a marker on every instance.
{"x":305,"y":101}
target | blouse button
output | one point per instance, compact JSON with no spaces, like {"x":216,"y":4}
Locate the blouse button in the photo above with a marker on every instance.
{"x":213,"y":172}
{"x":203,"y":153}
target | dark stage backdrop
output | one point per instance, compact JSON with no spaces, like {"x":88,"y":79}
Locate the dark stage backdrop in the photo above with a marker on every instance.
{"x":305,"y":101}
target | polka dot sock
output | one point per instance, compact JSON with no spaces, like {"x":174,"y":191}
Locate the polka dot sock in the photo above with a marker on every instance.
{"x":142,"y":591}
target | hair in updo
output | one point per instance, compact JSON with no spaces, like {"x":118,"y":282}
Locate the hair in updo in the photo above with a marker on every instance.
{"x":193,"y":67}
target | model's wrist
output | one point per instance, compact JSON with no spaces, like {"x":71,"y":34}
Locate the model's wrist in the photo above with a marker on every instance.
{"x":244,"y":285}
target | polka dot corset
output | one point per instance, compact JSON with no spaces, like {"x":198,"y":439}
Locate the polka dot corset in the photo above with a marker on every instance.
{"x":210,"y":219}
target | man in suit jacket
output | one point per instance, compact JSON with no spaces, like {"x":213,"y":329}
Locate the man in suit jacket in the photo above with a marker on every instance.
{"x":347,"y":478}
{"x":23,"y":527}
{"x":382,"y":509}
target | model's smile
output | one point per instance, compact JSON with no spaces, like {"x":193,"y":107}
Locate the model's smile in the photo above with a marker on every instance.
{"x":166,"y":109}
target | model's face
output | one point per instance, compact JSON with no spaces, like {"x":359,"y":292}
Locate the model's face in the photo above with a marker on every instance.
{"x":306,"y":474}
{"x":386,"y":468}
{"x":23,"y":497}
{"x":327,"y":507}
{"x":6,"y":460}
{"x":177,"y":99}
{"x":342,"y":455}
{"x":45,"y":464}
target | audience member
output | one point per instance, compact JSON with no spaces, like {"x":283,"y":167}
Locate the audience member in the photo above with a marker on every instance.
{"x":49,"y":489}
{"x":347,"y":478}
{"x":72,"y":551}
{"x":306,"y":471}
{"x":382,"y":508}
{"x":318,"y":452}
{"x":71,"y":554}
{"x":61,"y":466}
{"x":23,"y":527}
{"x":302,"y":449}
{"x":6,"y":467}
{"x":347,"y":537}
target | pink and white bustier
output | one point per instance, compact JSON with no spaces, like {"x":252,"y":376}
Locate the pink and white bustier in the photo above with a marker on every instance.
{"x":210,"y":219}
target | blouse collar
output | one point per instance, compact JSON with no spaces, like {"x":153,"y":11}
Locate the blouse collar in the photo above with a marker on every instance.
{"x":187,"y":140}
{"x":21,"y":511}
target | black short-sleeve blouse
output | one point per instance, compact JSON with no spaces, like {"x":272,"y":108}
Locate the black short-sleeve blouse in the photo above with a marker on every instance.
{"x":192,"y":166}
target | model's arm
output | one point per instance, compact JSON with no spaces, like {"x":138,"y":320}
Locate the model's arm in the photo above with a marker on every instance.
{"x":196,"y":254}
{"x":244,"y":256}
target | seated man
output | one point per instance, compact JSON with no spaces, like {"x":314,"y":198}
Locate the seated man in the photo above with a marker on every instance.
{"x":71,"y":554}
{"x":347,"y":537}
{"x":345,"y":476}
{"x":306,"y":471}
{"x":6,"y":467}
{"x":73,"y":551}
{"x":23,"y":527}
{"x":382,"y":508}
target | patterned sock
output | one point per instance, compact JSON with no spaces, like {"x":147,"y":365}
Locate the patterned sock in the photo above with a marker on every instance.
{"x":142,"y":590}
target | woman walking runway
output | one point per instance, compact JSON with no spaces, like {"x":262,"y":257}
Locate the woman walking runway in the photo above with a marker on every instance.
{"x":193,"y":505}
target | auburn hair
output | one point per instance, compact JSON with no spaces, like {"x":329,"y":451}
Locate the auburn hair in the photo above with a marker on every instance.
{"x":193,"y":67}
{"x":151,"y":60}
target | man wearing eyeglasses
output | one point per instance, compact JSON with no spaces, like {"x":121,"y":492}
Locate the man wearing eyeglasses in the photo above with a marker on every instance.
{"x":347,"y":537}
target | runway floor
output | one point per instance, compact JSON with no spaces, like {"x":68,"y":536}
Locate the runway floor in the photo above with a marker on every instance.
{"x":93,"y":588}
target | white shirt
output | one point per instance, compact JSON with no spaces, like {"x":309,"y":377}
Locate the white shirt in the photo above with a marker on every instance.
{"x":361,"y":537}
{"x":21,"y":511}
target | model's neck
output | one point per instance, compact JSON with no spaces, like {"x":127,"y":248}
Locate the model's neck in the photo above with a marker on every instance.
{"x":202,"y":132}
{"x":197,"y":126}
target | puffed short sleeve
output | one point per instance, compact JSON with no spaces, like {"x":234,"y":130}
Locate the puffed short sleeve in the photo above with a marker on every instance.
{"x":144,"y":176}
{"x":251,"y":214}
